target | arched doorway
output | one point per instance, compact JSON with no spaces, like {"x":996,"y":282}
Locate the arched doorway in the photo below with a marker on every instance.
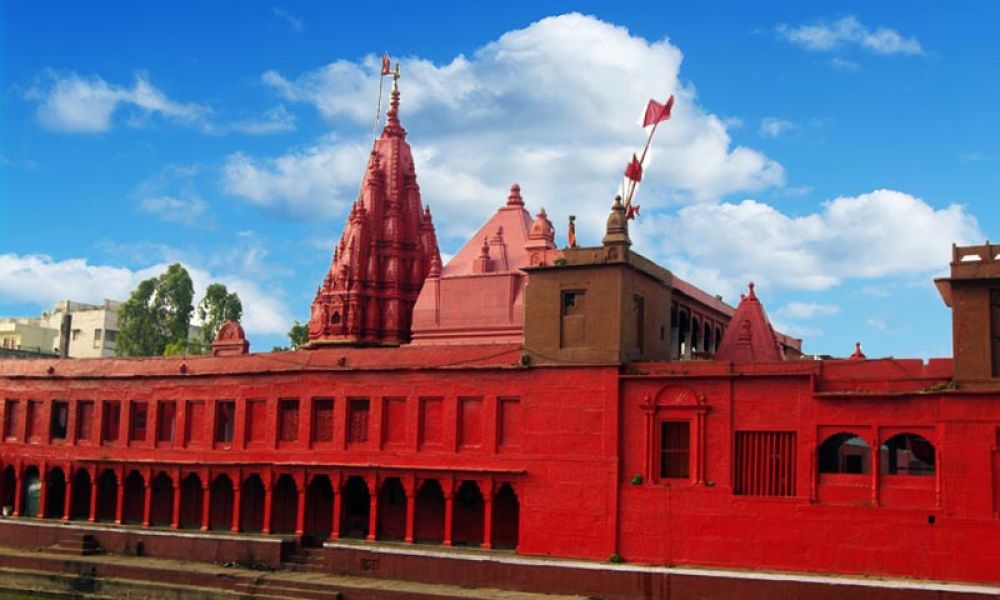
{"x":161,"y":501}
{"x":221,"y":509}
{"x":191,"y":502}
{"x":392,"y":510}
{"x":429,"y":513}
{"x":107,"y":496}
{"x":55,"y":494}
{"x":8,"y":487}
{"x":134,"y":500}
{"x":319,"y":508}
{"x":252,"y":504}
{"x":468,"y":515}
{"x":31,"y":491}
{"x":355,"y":507}
{"x":79,"y":509}
{"x":506,"y":517}
{"x":284,"y":505}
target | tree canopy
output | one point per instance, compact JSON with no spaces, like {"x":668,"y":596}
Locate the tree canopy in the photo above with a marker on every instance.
{"x":157,"y":315}
{"x":218,"y":306}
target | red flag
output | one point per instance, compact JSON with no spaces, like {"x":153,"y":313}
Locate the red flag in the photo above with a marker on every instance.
{"x":632,"y":212}
{"x":656,"y":112}
{"x":386,"y":68}
{"x":634,"y":170}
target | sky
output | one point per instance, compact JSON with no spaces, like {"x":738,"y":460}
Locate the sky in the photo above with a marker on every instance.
{"x":829,"y":152}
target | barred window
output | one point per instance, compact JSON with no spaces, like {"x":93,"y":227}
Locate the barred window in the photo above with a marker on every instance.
{"x":765,"y":463}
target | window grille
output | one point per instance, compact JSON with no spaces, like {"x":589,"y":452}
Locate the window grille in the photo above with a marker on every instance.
{"x":765,"y":463}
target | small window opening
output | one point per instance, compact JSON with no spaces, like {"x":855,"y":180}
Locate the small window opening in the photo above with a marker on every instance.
{"x":225,"y":423}
{"x":845,"y":453}
{"x":675,"y":449}
{"x":907,"y":454}
{"x":59,"y":420}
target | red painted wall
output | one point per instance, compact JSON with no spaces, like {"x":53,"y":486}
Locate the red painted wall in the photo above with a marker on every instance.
{"x":570,"y":441}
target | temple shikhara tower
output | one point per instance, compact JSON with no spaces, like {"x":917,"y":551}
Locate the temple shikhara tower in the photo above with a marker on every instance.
{"x":519,"y":417}
{"x":386,"y":251}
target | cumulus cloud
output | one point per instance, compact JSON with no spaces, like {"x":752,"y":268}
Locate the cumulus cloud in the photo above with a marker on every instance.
{"x":38,"y":279}
{"x":772,"y":127}
{"x":75,"y":104}
{"x":554,"y":106}
{"x":880,"y":234}
{"x":275,"y":120}
{"x":188,"y":210}
{"x":807,"y":310}
{"x":849,"y":31}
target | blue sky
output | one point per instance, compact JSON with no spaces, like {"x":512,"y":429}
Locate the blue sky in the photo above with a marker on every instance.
{"x":831,"y":152}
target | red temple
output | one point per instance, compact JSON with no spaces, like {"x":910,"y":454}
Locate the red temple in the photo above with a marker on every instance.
{"x":582,"y":403}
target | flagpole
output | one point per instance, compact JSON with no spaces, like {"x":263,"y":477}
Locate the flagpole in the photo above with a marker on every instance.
{"x":378,"y":108}
{"x":642,"y":159}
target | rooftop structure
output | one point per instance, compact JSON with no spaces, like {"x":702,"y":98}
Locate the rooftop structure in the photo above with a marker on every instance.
{"x":581,"y":403}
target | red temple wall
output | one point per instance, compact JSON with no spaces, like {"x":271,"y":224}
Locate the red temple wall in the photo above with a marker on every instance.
{"x":941,"y":526}
{"x":551,"y":433}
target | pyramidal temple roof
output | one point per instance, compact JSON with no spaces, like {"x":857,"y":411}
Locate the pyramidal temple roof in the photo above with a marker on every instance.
{"x":749,"y":337}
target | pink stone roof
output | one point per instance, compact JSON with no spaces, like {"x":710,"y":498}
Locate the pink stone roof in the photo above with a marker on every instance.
{"x":749,"y":337}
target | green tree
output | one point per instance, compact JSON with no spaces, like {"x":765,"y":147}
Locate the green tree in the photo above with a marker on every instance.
{"x":298,"y":335}
{"x":218,"y":306}
{"x":139,"y":324}
{"x":156,"y":314}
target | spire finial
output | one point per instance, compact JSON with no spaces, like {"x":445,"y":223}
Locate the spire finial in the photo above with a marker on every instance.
{"x":751,"y":295}
{"x":514,"y":199}
{"x":858,"y":354}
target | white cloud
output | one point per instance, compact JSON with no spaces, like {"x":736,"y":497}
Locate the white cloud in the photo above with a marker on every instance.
{"x":75,"y":104}
{"x":316,"y":181}
{"x":188,"y":210}
{"x":772,"y":127}
{"x":40,"y":280}
{"x":554,"y":106}
{"x":807,"y":310}
{"x":877,"y":323}
{"x":880,"y":234}
{"x":844,"y":65}
{"x":294,"y":23}
{"x":275,"y":120}
{"x":849,"y":31}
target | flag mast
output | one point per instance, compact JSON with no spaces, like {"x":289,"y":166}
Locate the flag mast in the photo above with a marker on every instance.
{"x":655,"y":113}
{"x":381,"y":80}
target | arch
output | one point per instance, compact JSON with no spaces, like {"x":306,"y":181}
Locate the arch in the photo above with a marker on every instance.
{"x":467,"y":528}
{"x":161,"y":501}
{"x":55,"y":494}
{"x":429,"y":514}
{"x":319,"y":507}
{"x":220,"y":511}
{"x":134,"y":499}
{"x":31,"y":491}
{"x":107,"y":495}
{"x":392,"y":510}
{"x":252,"y":504}
{"x":695,"y":335}
{"x":506,"y":517}
{"x":845,"y":452}
{"x":191,"y":502}
{"x":8,"y":487}
{"x":284,"y":505}
{"x":355,"y":507}
{"x":683,"y":328}
{"x":907,"y":454}
{"x":706,"y":338}
{"x":79,"y":509}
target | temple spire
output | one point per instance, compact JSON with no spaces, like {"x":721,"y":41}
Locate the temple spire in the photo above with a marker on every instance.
{"x":387,"y":249}
{"x":749,"y":336}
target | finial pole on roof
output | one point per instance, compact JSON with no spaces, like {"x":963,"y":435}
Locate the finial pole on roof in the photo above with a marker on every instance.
{"x":381,"y":79}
